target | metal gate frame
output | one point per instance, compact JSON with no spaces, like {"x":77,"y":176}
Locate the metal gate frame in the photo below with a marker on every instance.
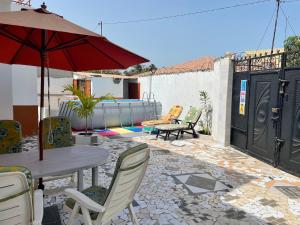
{"x":244,"y":69}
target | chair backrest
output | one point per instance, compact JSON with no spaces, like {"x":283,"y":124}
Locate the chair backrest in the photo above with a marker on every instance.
{"x":10,"y":136}
{"x":192,"y":116}
{"x":16,"y":205}
{"x":174,"y":113}
{"x":57,"y":132}
{"x":130,"y":170}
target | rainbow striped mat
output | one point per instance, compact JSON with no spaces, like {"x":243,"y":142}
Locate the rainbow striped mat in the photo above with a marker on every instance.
{"x":120,"y":131}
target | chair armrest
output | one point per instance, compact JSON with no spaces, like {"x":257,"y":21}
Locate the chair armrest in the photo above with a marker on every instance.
{"x":177,"y":121}
{"x":191,"y":124}
{"x":83,"y":200}
{"x":38,"y":207}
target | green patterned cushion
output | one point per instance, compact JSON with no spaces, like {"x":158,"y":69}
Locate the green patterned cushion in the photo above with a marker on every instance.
{"x":170,"y":127}
{"x":97,"y":194}
{"x":10,"y":136}
{"x":193,"y":115}
{"x":57,"y":132}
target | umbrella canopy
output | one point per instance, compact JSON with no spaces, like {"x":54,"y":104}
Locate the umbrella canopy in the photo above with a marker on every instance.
{"x":41,"y":38}
{"x":23,"y":34}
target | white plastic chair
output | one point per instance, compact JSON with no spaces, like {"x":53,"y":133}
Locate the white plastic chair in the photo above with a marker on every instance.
{"x":100,"y":205}
{"x":18,"y":204}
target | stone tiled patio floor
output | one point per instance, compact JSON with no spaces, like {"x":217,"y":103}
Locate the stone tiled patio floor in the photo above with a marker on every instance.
{"x":201,"y":183}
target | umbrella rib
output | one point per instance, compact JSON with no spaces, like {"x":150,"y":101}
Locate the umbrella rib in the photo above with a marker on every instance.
{"x":13,"y":37}
{"x":14,"y":58}
{"x":99,"y":50}
{"x":50,"y":39}
{"x":67,"y":55}
{"x":67,"y":44}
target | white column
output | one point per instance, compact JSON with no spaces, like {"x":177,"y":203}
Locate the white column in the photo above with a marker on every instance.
{"x":221,"y":124}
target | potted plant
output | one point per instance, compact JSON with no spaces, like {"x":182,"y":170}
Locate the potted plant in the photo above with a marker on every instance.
{"x":205,"y":123}
{"x":85,"y":109}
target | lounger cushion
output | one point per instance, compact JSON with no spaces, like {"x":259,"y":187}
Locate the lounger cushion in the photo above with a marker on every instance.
{"x":174,"y":113}
{"x":10,"y":137}
{"x":57,"y":132}
{"x":97,"y":194}
{"x":170,"y":127}
{"x":155,"y":122}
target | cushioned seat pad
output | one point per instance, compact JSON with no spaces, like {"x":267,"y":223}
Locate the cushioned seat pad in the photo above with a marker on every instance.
{"x":170,"y":127}
{"x":97,"y":194}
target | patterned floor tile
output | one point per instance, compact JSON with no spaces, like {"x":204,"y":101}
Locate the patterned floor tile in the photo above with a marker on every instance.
{"x":201,"y":183}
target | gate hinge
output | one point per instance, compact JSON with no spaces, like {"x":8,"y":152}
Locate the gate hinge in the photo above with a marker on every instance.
{"x":279,"y":142}
{"x":282,"y":86}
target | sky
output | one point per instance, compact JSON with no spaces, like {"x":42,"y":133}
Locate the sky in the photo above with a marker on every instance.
{"x":172,"y":41}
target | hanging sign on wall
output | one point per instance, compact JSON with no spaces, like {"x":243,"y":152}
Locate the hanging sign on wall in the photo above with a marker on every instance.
{"x":243,"y":97}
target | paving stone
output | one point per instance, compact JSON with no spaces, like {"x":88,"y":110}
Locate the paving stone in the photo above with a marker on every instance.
{"x":238,"y":187}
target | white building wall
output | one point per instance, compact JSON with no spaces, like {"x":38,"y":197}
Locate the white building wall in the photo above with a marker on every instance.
{"x":5,"y":5}
{"x":24,"y":85}
{"x":6,"y":108}
{"x":6,"y":98}
{"x":56,"y":92}
{"x":102,"y":86}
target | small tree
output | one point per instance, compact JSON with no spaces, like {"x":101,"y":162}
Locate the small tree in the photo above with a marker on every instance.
{"x":206,"y":122}
{"x":86,"y":105}
{"x":292,"y":47}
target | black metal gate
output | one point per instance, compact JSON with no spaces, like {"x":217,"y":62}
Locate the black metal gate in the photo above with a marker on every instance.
{"x":266,"y":108}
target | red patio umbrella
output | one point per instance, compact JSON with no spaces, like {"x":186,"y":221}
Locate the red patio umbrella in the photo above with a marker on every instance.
{"x":44,"y":39}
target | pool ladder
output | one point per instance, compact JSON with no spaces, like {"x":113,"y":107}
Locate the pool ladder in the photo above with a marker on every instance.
{"x":153,"y":109}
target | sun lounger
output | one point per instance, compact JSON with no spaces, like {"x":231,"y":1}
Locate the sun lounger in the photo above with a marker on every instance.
{"x":187,"y":125}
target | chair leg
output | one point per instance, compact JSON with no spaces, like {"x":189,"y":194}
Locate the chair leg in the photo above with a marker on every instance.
{"x":195,"y":135}
{"x":132,"y":214}
{"x":86,"y":216}
{"x":157,"y":135}
{"x":166,"y":136}
{"x":74,"y":214}
{"x":73,"y":179}
{"x":177,"y":136}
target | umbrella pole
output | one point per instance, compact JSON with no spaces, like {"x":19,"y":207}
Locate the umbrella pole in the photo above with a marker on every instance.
{"x":41,"y":137}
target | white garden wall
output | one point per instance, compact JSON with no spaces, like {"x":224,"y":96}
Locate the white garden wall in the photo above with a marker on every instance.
{"x":179,"y":89}
{"x":183,"y":89}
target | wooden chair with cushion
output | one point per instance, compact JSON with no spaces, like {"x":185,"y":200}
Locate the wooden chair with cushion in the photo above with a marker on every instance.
{"x":19,"y":204}
{"x":57,"y":133}
{"x":187,"y":125}
{"x":174,"y":113}
{"x":99,"y":204}
{"x":10,"y":137}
